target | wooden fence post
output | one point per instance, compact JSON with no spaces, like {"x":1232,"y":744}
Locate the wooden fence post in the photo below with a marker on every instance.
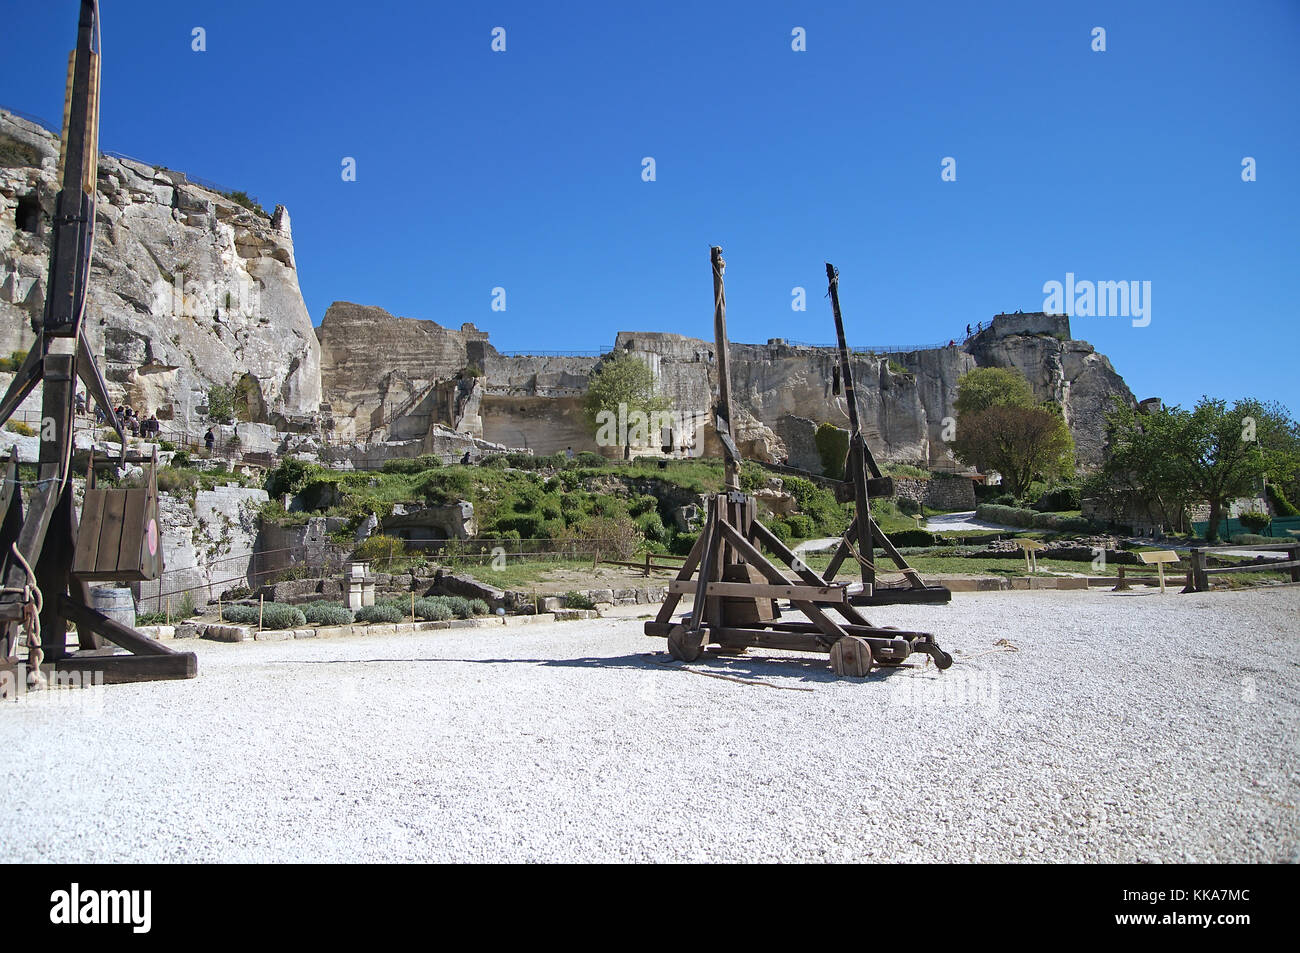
{"x":1293,"y":554}
{"x":1199,"y":577}
{"x":261,"y":602}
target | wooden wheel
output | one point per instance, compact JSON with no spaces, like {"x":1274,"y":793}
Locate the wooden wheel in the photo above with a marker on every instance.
{"x":685,"y":645}
{"x":851,"y":656}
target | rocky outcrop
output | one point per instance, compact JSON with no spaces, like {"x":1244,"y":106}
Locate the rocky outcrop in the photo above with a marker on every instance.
{"x":1068,"y":372}
{"x":377,"y":364}
{"x":188,"y":287}
{"x":780,"y":391}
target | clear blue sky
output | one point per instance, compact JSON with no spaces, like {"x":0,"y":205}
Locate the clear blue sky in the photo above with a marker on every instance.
{"x":522,"y":169}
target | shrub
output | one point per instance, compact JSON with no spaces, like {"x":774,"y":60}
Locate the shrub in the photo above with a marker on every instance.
{"x":578,"y":600}
{"x":433,"y":609}
{"x":13,"y":361}
{"x":460,"y":606}
{"x":409,"y":465}
{"x":381,"y":612}
{"x":274,"y":615}
{"x":439,"y":487}
{"x":681,"y":543}
{"x":250,"y":202}
{"x":290,"y":476}
{"x":221,"y":403}
{"x":652,"y":526}
{"x":176,"y":481}
{"x":914,"y":537}
{"x":479,"y":607}
{"x":1057,"y":499}
{"x":1254,"y":520}
{"x":177,"y":613}
{"x":1281,"y":505}
{"x":908,"y":507}
{"x":20,"y":428}
{"x":1032,"y":519}
{"x":379,"y":548}
{"x":327,"y":613}
{"x":1250,"y":539}
{"x":801,"y":526}
{"x":181,"y":458}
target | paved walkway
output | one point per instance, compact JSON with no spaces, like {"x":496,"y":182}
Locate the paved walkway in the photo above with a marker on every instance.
{"x":963,"y":520}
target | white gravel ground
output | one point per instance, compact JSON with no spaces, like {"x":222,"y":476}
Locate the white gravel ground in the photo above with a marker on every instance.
{"x":1128,"y":727}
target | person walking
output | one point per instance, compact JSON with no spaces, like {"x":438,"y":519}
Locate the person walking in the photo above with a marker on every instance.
{"x":209,"y":439}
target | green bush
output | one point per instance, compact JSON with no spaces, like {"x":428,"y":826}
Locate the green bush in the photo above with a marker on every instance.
{"x":181,"y":458}
{"x":274,"y":615}
{"x":414,"y":465}
{"x":379,"y":547}
{"x":221,"y":403}
{"x":578,"y":600}
{"x":326,"y":613}
{"x":1254,"y":520}
{"x":290,"y":476}
{"x":1057,"y":499}
{"x":914,"y":537}
{"x":1032,"y":519}
{"x":1251,"y":539}
{"x":380,"y":612}
{"x":439,"y":487}
{"x":176,"y":613}
{"x":479,"y":607}
{"x":908,"y":507}
{"x":460,"y":606}
{"x":652,"y":527}
{"x":13,"y":361}
{"x":433,"y":609}
{"x":801,"y":526}
{"x":176,"y":481}
{"x":681,"y":544}
{"x":1281,"y":505}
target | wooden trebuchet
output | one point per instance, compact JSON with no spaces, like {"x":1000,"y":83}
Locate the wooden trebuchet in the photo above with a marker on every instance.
{"x":738,"y":588}
{"x":862,"y":481}
{"x":41,"y":589}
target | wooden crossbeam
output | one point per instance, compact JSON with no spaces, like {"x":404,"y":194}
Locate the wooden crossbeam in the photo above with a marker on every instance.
{"x":746,"y":589}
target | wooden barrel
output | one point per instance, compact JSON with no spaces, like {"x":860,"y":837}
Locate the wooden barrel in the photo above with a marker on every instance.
{"x":117,"y":604}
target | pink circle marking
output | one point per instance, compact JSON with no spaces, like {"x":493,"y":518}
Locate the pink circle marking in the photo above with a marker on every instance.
{"x":152,"y":534}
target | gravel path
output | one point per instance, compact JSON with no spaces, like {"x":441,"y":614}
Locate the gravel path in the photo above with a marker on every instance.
{"x":575,"y":741}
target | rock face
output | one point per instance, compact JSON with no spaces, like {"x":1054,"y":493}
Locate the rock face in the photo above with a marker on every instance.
{"x":1070,"y":373}
{"x":188,"y":288}
{"x":781,"y":391}
{"x":381,"y":366}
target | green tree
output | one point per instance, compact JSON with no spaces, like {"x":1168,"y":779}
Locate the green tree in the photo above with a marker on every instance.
{"x":1140,"y":465}
{"x":1023,"y":444}
{"x":1002,"y":427}
{"x":622,"y":388}
{"x":221,"y":403}
{"x":1212,"y":452}
{"x":986,"y":387}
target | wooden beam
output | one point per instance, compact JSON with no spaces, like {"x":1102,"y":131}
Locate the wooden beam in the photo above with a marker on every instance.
{"x":757,"y":591}
{"x":123,"y":669}
{"x":111,"y":629}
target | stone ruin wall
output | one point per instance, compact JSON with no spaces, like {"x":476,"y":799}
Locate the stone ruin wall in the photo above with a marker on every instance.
{"x":780,"y":391}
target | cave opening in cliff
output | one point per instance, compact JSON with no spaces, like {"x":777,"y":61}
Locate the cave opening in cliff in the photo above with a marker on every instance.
{"x":28,"y":214}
